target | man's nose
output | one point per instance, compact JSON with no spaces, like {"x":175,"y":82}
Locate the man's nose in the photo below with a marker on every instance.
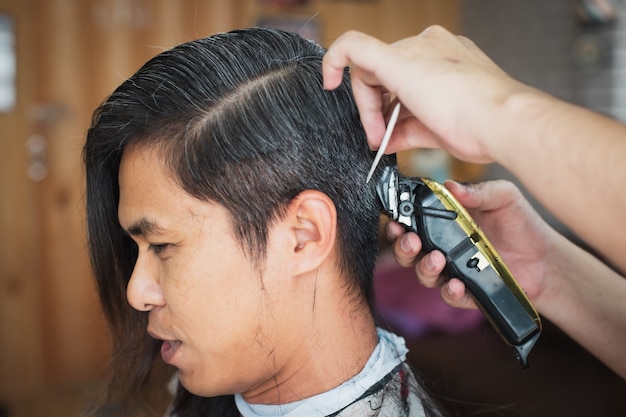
{"x":144,"y":291}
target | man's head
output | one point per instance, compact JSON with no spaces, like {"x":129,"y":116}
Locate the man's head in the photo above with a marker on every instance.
{"x":239,"y":120}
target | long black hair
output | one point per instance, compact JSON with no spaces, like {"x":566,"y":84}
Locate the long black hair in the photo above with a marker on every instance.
{"x":242,"y":119}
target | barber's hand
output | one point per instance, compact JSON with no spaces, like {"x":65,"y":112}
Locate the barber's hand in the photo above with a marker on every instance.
{"x":521,"y":237}
{"x":449,"y":90}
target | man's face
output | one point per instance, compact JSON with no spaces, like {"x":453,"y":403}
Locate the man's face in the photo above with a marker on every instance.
{"x":225,"y":324}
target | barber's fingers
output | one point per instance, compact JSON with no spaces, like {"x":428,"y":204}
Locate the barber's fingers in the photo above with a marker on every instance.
{"x":406,"y":247}
{"x":410,"y":133}
{"x":406,"y":250}
{"x":370,"y":65}
{"x":454,"y":294}
{"x":358,"y":51}
{"x":372,"y":102}
{"x":378,"y":72}
{"x":429,"y":269}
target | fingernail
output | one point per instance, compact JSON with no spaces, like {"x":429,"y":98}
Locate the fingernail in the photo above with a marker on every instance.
{"x":457,"y":183}
{"x":449,"y":290}
{"x":430,"y":264}
{"x":406,"y":244}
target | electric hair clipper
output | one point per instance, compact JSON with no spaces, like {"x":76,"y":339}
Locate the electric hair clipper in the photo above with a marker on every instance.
{"x":427,"y":208}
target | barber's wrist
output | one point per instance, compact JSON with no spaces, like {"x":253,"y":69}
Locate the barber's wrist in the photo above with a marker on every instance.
{"x":514,"y":117}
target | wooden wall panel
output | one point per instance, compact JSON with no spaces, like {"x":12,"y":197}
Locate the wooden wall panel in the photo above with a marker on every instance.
{"x":389,"y":20}
{"x":20,"y":326}
{"x":74,"y":337}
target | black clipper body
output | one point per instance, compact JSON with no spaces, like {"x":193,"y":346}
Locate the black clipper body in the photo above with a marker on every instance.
{"x":426,"y":207}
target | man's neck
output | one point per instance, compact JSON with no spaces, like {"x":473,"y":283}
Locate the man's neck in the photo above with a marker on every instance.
{"x":341,"y":339}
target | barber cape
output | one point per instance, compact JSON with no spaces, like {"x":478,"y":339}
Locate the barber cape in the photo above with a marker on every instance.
{"x":386,"y":387}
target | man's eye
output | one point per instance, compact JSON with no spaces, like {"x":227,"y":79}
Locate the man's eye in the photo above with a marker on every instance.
{"x":158,"y":247}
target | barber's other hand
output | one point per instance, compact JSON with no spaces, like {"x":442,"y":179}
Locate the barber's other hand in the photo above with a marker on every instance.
{"x":518,"y":233}
{"x":450,"y":90}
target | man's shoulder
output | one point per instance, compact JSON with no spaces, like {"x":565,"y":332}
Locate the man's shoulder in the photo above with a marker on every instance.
{"x":397,"y":397}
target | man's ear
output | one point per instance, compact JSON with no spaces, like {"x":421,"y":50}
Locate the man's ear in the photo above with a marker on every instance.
{"x":313,"y":226}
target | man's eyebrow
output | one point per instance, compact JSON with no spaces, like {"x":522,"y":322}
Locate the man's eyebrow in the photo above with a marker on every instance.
{"x":144,"y":227}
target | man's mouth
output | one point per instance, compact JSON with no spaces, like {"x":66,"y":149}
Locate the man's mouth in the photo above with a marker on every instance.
{"x":169,"y":349}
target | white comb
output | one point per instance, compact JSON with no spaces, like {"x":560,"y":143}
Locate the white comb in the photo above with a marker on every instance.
{"x":383,"y":145}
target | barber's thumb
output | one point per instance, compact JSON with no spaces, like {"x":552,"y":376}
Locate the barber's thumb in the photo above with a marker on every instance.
{"x":461,"y":191}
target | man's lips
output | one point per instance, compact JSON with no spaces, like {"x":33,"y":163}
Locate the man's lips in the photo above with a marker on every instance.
{"x":168,"y":347}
